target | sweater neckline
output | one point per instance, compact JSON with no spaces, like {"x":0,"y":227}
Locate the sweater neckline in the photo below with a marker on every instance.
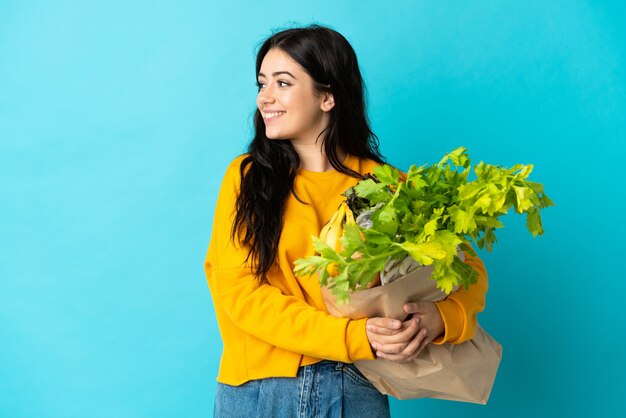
{"x":323,"y":175}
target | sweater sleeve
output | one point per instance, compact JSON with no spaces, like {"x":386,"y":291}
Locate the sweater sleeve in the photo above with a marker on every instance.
{"x":262,"y":310}
{"x":460,"y":308}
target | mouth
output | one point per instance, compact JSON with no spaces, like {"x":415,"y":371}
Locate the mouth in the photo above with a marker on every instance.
{"x":270,"y":116}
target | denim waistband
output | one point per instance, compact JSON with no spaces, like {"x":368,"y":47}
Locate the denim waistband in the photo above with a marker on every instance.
{"x":323,"y":389}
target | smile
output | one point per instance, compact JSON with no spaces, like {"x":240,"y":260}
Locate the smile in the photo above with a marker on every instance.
{"x":271,"y":116}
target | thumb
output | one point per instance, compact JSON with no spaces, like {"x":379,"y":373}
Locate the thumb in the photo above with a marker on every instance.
{"x":413,"y":307}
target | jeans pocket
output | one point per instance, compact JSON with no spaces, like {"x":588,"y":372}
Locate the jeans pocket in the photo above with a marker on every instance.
{"x":237,"y":401}
{"x":355,"y":375}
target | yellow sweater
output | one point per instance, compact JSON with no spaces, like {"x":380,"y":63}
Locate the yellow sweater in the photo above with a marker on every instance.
{"x":270,"y":329}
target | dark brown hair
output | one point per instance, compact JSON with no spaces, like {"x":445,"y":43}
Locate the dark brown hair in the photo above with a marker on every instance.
{"x":269,"y":169}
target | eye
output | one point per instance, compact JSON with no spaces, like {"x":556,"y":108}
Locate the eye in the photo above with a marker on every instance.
{"x":260,"y":84}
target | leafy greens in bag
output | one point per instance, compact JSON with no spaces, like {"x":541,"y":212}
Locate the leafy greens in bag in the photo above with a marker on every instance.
{"x":425,"y":214}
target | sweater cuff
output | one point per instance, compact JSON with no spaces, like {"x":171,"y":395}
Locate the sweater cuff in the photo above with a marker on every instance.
{"x":452,"y":321}
{"x":357,"y":342}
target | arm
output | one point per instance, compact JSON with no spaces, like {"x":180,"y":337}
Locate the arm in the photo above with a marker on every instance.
{"x":452,"y":320}
{"x":460,"y":308}
{"x":261,"y":309}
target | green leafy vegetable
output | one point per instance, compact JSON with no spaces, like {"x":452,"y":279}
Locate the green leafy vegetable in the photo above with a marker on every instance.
{"x":425,"y":214}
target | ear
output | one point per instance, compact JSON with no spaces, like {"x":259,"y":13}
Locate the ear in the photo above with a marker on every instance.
{"x":328,"y":102}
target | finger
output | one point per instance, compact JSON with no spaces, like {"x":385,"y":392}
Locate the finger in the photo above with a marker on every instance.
{"x":380,"y":330}
{"x":413,"y":307}
{"x":405,"y":347}
{"x":392,"y":348}
{"x":383,"y":326}
{"x":398,"y":358}
{"x":389,"y":323}
{"x":413,"y":348}
{"x":410,"y":328}
{"x":401,"y":357}
{"x":422,"y":346}
{"x":393,"y":343}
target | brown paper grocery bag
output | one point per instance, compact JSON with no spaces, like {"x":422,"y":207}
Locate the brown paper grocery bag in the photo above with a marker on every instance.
{"x":460,"y":372}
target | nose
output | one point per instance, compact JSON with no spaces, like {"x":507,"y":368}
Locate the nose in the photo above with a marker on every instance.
{"x":266,"y":95}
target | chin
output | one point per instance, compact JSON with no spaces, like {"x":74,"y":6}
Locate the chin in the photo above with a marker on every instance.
{"x":275,"y":137}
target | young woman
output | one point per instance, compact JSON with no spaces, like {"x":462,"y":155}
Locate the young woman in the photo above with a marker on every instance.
{"x":283,"y":354}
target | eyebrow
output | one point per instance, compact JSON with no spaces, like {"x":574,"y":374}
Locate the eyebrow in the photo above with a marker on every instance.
{"x":278,"y":73}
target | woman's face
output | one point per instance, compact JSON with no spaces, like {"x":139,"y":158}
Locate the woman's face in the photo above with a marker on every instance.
{"x":289,"y":104}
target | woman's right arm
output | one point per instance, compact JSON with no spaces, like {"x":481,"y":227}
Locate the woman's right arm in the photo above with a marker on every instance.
{"x":262,"y":310}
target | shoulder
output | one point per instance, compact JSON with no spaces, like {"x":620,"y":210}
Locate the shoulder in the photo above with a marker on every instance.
{"x":364,"y":165}
{"x":231,"y":179}
{"x":235,"y":163}
{"x":233,"y":170}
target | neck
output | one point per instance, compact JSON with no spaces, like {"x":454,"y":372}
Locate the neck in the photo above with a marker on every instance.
{"x":313,"y":157}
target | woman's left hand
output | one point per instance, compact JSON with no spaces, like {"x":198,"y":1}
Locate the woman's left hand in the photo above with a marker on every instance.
{"x":394,"y":340}
{"x":429,"y":317}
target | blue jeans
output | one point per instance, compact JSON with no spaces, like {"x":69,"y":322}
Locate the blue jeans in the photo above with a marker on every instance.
{"x":325,"y":389}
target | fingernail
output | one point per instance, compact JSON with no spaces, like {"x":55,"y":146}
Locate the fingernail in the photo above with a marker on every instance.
{"x":368,"y":327}
{"x":374,"y":346}
{"x":396,"y":324}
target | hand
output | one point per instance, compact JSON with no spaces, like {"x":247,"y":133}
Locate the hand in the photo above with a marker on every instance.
{"x":429,"y":317}
{"x":394,"y":340}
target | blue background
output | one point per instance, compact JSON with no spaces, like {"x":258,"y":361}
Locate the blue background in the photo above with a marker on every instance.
{"x":118,"y":118}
